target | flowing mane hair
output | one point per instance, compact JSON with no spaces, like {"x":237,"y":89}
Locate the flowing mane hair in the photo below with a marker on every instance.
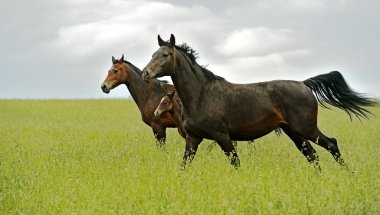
{"x":193,"y":56}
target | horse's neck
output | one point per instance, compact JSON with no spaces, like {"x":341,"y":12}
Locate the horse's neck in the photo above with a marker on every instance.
{"x":136,"y":87}
{"x":188,"y":80}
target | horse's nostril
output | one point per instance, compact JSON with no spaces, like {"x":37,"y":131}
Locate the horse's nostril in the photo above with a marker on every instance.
{"x":104,"y":88}
{"x":145,"y":75}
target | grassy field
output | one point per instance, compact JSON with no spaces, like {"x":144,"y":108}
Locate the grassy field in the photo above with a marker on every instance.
{"x":97,"y":157}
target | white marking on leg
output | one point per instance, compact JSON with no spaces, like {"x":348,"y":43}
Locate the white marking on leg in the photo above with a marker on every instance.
{"x":317,"y":141}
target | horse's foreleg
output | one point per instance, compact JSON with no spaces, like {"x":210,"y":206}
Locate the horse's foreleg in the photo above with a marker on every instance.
{"x":159,"y":132}
{"x":192,"y":144}
{"x":182,"y":131}
{"x":227,"y":146}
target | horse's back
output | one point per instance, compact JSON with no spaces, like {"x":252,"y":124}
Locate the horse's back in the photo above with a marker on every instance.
{"x":279,"y":92}
{"x":292,"y":97}
{"x":272,"y":92}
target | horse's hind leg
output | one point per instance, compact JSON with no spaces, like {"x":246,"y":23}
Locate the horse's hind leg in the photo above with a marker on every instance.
{"x":330,"y":144}
{"x":303,"y":145}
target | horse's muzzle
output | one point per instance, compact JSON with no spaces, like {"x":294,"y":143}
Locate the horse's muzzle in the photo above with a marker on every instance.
{"x":145,"y":75}
{"x":105,"y":88}
{"x":156,"y":113}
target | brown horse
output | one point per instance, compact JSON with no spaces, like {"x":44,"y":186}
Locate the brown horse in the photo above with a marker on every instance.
{"x":216,"y":109}
{"x":172,"y":105}
{"x":147,"y":95}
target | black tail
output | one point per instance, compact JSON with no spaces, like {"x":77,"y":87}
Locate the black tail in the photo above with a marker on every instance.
{"x":331,"y":88}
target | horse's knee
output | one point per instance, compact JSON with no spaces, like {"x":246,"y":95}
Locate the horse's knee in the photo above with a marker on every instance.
{"x":333,"y":143}
{"x":160,"y":135}
{"x":332,"y":147}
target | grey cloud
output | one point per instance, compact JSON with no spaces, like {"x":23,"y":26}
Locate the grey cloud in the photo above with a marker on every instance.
{"x":62,"y":49}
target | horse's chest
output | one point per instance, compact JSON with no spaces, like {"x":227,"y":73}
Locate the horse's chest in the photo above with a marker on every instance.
{"x":147,"y":119}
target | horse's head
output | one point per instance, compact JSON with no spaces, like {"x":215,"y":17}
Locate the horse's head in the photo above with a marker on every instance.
{"x":166,"y":104}
{"x":163,"y":60}
{"x":116,"y":75}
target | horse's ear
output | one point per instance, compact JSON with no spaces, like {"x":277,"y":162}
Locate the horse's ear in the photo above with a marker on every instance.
{"x":170,"y":94}
{"x":172,"y":40}
{"x":160,"y":41}
{"x":114,"y":60}
{"x":121,"y":59}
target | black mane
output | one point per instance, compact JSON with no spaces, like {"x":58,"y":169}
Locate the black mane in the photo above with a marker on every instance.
{"x":137,"y":70}
{"x":193,"y":56}
{"x":190,"y":52}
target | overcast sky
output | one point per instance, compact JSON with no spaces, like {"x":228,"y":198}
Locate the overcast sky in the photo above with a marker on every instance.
{"x":63,"y":48}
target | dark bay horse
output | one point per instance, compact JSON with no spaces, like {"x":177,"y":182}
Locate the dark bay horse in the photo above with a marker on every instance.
{"x":147,"y":95}
{"x":216,"y":109}
{"x":173,"y":105}
{"x":170,"y":104}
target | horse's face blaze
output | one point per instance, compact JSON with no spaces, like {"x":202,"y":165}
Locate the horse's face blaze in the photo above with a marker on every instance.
{"x":165,"y":105}
{"x":116,"y":76}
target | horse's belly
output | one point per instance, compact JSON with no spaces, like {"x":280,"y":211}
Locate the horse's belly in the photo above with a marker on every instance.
{"x":253,"y":128}
{"x":251,"y":133}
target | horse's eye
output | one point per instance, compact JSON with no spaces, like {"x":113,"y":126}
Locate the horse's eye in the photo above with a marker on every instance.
{"x":115,"y":71}
{"x":165,"y":103}
{"x":165,"y":55}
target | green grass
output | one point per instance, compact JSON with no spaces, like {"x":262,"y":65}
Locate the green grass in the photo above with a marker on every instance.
{"x":98,"y":157}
